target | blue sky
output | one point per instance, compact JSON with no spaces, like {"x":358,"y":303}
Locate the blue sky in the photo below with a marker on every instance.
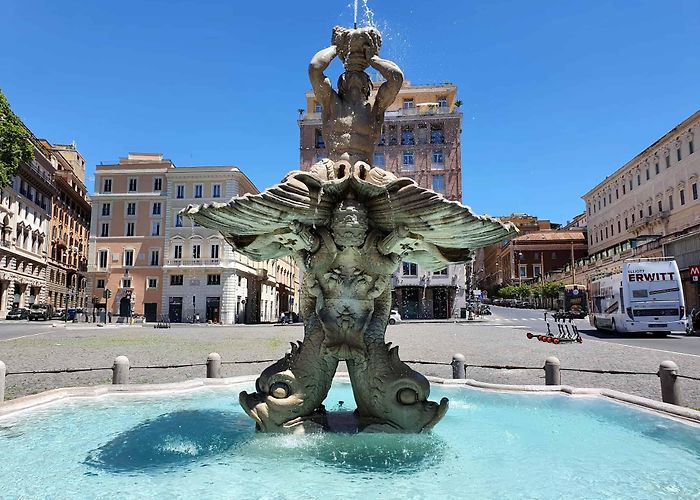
{"x":557,"y":94}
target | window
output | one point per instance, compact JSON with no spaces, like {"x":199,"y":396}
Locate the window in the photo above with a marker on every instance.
{"x":656,"y":167}
{"x":157,"y":184}
{"x":619,"y":227}
{"x":410,"y":269}
{"x":441,"y":272}
{"x":536,"y":270}
{"x":438,"y":158}
{"x":155,"y":257}
{"x":106,"y":209}
{"x":670,"y":202}
{"x":105,"y":230}
{"x":180,"y":191}
{"x":641,"y":213}
{"x":442,"y":101}
{"x":632,"y":218}
{"x":107,"y":186}
{"x":691,"y":149}
{"x":213,"y":279}
{"x":152,"y":283}
{"x":318,"y":108}
{"x":439,"y":183}
{"x":647,"y":173}
{"x":318,"y":140}
{"x":668,"y":162}
{"x":129,"y":228}
{"x":606,"y":231}
{"x":678,"y":154}
{"x":177,"y":252}
{"x":178,"y":220}
{"x":623,"y":189}
{"x":102,"y":259}
{"x":604,"y":201}
{"x":126,"y":283}
{"x":408,"y":162}
{"x":407,"y":137}
{"x":128,"y":257}
{"x":436,"y":135}
{"x":407,"y":103}
{"x":522,"y":270}
{"x":661,"y":206}
{"x":176,"y":280}
{"x":198,"y":189}
{"x":617,"y":194}
{"x":631,"y":188}
{"x":131,"y":209}
{"x":100,"y":284}
{"x":156,"y":208}
{"x":216,"y":191}
{"x":639,"y":180}
{"x":378,"y":159}
{"x":681,"y":195}
{"x":609,"y":197}
{"x":196,"y":251}
{"x":626,"y":224}
{"x":215,"y":251}
{"x":694,"y":188}
{"x":155,"y":228}
{"x":649,"y":210}
{"x":132,"y":185}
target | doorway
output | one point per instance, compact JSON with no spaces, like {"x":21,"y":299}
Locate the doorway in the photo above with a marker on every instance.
{"x":125,"y":307}
{"x":439,"y":303}
{"x":150,"y":311}
{"x":213,"y":309}
{"x":175,"y":309}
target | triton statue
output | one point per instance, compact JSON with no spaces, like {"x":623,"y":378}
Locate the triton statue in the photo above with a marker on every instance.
{"x":348,"y":225}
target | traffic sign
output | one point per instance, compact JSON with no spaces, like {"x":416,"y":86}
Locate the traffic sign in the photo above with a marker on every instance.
{"x":694,"y":270}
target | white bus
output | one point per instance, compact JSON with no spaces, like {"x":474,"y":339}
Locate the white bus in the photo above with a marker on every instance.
{"x":647,"y":296}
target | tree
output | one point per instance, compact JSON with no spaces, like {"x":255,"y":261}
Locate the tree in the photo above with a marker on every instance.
{"x":15,"y":143}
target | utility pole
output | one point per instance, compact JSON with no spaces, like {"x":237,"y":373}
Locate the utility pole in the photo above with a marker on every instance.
{"x":573,"y":264}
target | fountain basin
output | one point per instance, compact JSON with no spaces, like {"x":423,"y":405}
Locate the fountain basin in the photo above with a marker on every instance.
{"x":193,"y":439}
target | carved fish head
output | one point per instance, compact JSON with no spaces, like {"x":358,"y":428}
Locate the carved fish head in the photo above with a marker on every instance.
{"x":280,"y":400}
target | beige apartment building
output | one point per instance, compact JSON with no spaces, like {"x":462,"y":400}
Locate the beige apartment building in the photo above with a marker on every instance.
{"x":202,"y":275}
{"x":158,"y":264}
{"x":420,"y":140}
{"x":650,"y":207}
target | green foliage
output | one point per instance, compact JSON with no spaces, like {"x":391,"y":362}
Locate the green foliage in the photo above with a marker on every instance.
{"x":15,"y":143}
{"x":514,"y":291}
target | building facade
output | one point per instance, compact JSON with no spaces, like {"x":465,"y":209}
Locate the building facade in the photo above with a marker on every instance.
{"x":420,"y":140}
{"x":202,"y":274}
{"x":66,"y":278}
{"x":128,"y":236}
{"x":25,"y":217}
{"x":146,"y":259}
{"x":650,"y":207}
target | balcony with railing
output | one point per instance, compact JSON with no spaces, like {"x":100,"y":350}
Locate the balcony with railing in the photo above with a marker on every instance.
{"x":192,"y":262}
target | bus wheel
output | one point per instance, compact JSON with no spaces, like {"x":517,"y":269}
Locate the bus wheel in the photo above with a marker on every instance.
{"x":595,"y":324}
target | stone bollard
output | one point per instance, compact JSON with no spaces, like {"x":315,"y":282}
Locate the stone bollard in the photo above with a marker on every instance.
{"x":214,"y":365}
{"x":552,"y":376}
{"x":670,"y":389}
{"x":3,"y":371}
{"x":459,"y":369}
{"x":120,"y":370}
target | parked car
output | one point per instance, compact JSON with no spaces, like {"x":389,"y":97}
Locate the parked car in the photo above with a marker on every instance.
{"x":394,"y":317}
{"x":40,"y":311}
{"x":18,"y":313}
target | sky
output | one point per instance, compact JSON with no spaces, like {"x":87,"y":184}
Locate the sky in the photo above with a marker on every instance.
{"x":557,"y":94}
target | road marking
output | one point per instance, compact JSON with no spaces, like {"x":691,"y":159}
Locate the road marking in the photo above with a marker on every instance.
{"x":645,"y":348}
{"x":24,"y":336}
{"x":509,"y":326}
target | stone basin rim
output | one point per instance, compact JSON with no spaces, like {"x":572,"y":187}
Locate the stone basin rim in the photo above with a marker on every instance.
{"x":48,"y":398}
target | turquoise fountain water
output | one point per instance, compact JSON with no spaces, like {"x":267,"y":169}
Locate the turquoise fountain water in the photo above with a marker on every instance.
{"x":490,"y":445}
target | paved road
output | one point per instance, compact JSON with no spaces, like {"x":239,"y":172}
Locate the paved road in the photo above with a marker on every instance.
{"x":14,"y":329}
{"x":532,"y":320}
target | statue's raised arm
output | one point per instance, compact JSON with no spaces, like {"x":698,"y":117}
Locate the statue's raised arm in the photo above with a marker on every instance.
{"x":323,"y":89}
{"x":390,"y":88}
